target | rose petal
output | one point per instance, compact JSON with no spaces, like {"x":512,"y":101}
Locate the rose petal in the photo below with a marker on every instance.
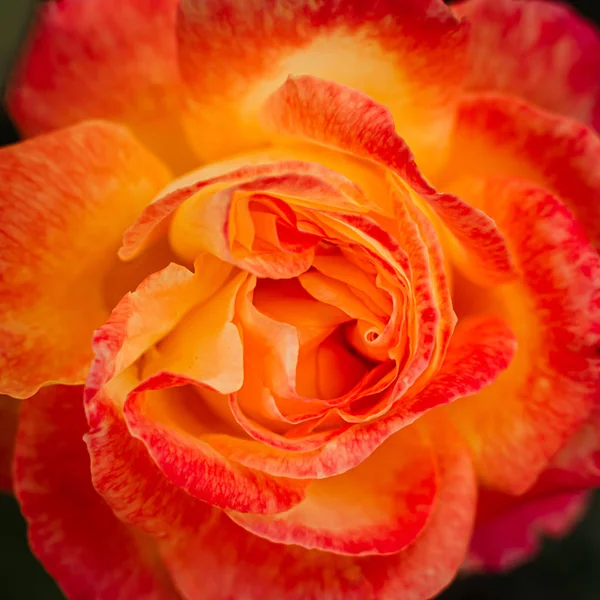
{"x":379,"y":507}
{"x":517,"y":424}
{"x":192,"y":464}
{"x":502,"y":136}
{"x":81,"y":543}
{"x":205,"y":346}
{"x":145,"y":316}
{"x":337,"y":116}
{"x":234,"y":53}
{"x":256,"y":568}
{"x":69,"y":72}
{"x":125,"y":475}
{"x":543,"y":52}
{"x":480,"y":349}
{"x":65,"y":200}
{"x":508,"y":528}
{"x":305,"y":182}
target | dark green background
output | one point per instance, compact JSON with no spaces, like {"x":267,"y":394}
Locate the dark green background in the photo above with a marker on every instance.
{"x":568,"y":569}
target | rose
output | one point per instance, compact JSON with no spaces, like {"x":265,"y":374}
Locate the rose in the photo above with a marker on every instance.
{"x":311,"y":370}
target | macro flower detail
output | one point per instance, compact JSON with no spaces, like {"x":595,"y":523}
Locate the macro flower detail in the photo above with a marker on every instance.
{"x":320,"y":296}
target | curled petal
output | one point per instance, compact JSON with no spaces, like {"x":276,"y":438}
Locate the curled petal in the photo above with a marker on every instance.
{"x":135,"y":77}
{"x":479,"y":351}
{"x":543,"y":52}
{"x":82,"y":544}
{"x":254,"y":173}
{"x":379,"y":507}
{"x":256,"y":568}
{"x":65,"y":200}
{"x":194,"y":465}
{"x":235,"y":53}
{"x":337,"y":116}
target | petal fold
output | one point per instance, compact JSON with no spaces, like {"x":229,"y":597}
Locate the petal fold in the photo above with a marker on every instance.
{"x":334,"y":115}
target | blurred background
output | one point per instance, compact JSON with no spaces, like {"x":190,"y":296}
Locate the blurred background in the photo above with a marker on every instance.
{"x":565,"y":569}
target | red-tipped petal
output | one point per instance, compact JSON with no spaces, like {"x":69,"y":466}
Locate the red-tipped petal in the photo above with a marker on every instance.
{"x":194,"y":465}
{"x":65,"y":200}
{"x":517,"y":424}
{"x":501,"y":136}
{"x":543,"y":52}
{"x":104,"y":59}
{"x":234,"y":53}
{"x":337,"y":116}
{"x":479,"y":351}
{"x":125,"y":475}
{"x":508,"y":529}
{"x":379,"y":507}
{"x":247,"y":565}
{"x":91,"y":554}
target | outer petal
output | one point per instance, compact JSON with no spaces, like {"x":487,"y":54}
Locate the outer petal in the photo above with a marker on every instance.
{"x":501,"y":136}
{"x":516,"y":425}
{"x":235,"y":53}
{"x":104,"y":59}
{"x":543,"y":52}
{"x":251,"y":568}
{"x":90,"y":553}
{"x":508,"y":528}
{"x":128,"y":479}
{"x":379,"y":507}
{"x":337,"y":116}
{"x":65,"y":200}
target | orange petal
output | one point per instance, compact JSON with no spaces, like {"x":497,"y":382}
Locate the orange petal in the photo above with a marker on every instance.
{"x":145,"y":316}
{"x":543,"y":52}
{"x":82,"y":544}
{"x":135,"y":77}
{"x":515,"y":425}
{"x":255,"y":568}
{"x":233,"y":55}
{"x":504,"y":137}
{"x":65,"y":200}
{"x":205,"y":346}
{"x":337,"y":116}
{"x":379,"y":507}
{"x":479,"y":351}
{"x":509,"y":528}
{"x":301,"y":182}
{"x":192,"y":464}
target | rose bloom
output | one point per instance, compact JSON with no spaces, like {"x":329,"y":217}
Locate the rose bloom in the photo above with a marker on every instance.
{"x":301,"y":298}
